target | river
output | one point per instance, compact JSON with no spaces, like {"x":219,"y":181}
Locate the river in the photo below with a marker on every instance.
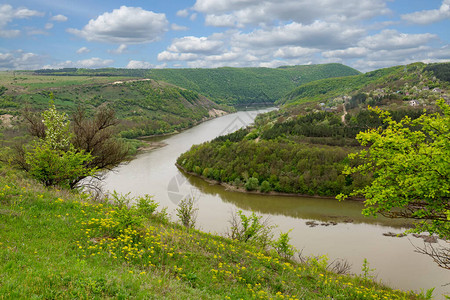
{"x":354,"y":237}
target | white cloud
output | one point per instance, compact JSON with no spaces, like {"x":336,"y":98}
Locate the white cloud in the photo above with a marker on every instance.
{"x":83,"y":50}
{"x":48,"y":26}
{"x":59,"y":18}
{"x":429,"y":16}
{"x":226,"y":20}
{"x":93,"y":62}
{"x":319,"y":34}
{"x":352,"y":52}
{"x":121,"y":49}
{"x":126,"y":25}
{"x":136,"y":64}
{"x":183,"y":13}
{"x":19,"y":60}
{"x":193,"y":17}
{"x":192,"y":44}
{"x":294,"y":52}
{"x":392,"y":39}
{"x":170,"y":56}
{"x":178,"y":27}
{"x":8,"y":13}
{"x":245,"y":12}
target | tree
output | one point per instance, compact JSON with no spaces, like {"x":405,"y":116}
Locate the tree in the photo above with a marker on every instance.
{"x":410,"y":165}
{"x":96,"y":135}
{"x":53,"y":159}
{"x":66,"y":152}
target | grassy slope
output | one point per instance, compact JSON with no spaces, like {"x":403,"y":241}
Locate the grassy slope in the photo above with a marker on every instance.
{"x":54,"y":244}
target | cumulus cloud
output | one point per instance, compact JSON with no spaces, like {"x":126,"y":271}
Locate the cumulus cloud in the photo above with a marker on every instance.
{"x":59,"y":18}
{"x":319,"y":34}
{"x":178,"y":27}
{"x":93,"y":62}
{"x":352,"y":52}
{"x":19,"y":60}
{"x":48,"y":26}
{"x":392,"y":39}
{"x":294,"y":52}
{"x":136,"y":64}
{"x":240,"y":13}
{"x":192,"y":44}
{"x":126,"y":25}
{"x":183,"y":13}
{"x":170,"y":56}
{"x":8,"y":13}
{"x":121,"y":49}
{"x":429,"y":16}
{"x":83,"y":50}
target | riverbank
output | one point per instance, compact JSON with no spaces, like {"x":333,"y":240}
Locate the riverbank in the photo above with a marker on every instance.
{"x":234,"y":188}
{"x":61,"y":244}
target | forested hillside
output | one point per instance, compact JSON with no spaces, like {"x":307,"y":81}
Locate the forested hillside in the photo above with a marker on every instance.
{"x":302,"y":148}
{"x":236,"y":86}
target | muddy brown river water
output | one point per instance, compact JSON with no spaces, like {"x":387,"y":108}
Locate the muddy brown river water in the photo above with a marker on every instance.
{"x":348,"y":235}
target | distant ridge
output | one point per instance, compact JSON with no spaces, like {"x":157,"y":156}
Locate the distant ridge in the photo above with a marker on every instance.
{"x":228,"y":85}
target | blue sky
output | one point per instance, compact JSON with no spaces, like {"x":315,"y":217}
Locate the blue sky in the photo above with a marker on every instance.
{"x":364,"y":34}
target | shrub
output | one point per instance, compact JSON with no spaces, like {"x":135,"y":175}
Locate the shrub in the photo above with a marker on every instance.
{"x":187,"y":212}
{"x":252,"y":184}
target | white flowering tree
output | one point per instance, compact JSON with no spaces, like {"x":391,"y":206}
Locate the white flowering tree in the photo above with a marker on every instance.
{"x":53,"y":160}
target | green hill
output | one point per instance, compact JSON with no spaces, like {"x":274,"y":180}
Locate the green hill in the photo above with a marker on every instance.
{"x":390,"y":79}
{"x":302,"y":148}
{"x":228,"y":85}
{"x":144,"y":106}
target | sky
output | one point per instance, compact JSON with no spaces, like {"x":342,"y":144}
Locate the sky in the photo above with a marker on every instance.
{"x":363,"y":34}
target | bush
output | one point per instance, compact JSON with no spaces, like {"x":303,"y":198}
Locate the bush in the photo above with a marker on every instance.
{"x":252,"y":184}
{"x":54,"y":167}
{"x":250,"y":229}
{"x":187,"y":212}
{"x":282,"y":246}
{"x":265,"y":187}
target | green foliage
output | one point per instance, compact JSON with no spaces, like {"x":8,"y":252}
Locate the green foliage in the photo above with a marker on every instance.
{"x":187,"y":212}
{"x":410,"y":163}
{"x":57,"y":130}
{"x":284,"y":166}
{"x":440,"y":70}
{"x":265,"y":187}
{"x":54,"y":161}
{"x":367,"y":271}
{"x":146,"y":205}
{"x":54,"y":167}
{"x":333,"y":87}
{"x":250,"y":229}
{"x":252,"y":184}
{"x":282,"y":246}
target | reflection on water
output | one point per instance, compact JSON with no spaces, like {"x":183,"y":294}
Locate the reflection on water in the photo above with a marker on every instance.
{"x":394,"y":259}
{"x":321,"y":209}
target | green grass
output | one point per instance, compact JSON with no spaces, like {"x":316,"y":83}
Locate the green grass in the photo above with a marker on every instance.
{"x":56,"y":244}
